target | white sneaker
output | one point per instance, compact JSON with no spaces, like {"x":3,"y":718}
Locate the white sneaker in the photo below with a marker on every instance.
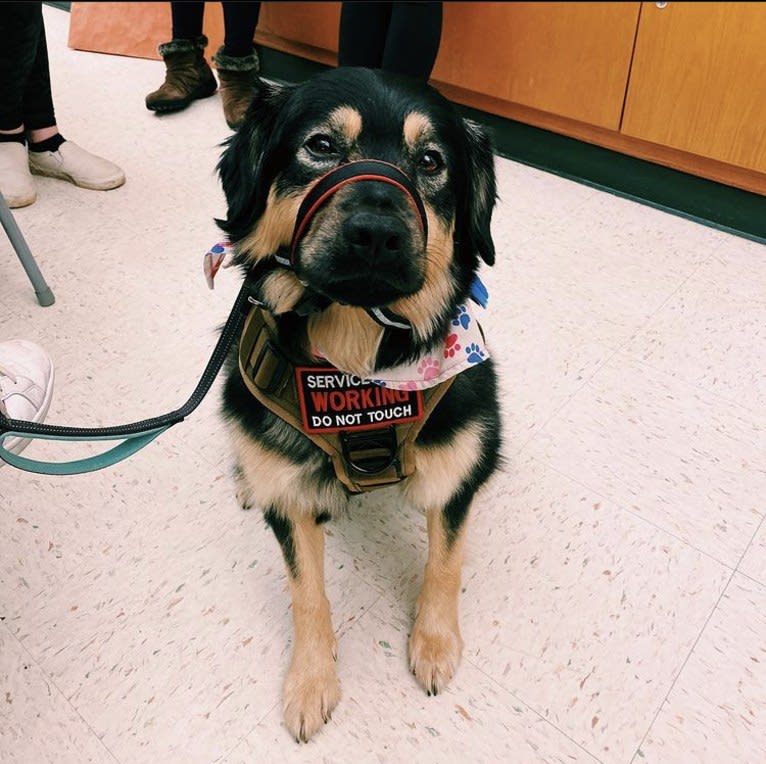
{"x":26,"y":386}
{"x":72,"y":163}
{"x":16,"y":184}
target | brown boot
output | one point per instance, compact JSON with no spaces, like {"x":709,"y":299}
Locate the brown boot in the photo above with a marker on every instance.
{"x":237,"y":76}
{"x":187,"y":78}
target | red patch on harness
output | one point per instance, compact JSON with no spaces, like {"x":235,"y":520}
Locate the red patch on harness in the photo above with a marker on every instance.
{"x":332,"y":400}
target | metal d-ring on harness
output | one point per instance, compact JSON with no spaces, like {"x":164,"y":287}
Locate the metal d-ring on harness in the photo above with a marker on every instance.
{"x":136,"y":435}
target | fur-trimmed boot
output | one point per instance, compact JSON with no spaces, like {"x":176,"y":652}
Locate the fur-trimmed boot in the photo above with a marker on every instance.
{"x":187,"y":75}
{"x":237,"y":76}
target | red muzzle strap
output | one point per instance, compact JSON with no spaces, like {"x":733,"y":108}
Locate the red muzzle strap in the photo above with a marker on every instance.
{"x":351,"y":172}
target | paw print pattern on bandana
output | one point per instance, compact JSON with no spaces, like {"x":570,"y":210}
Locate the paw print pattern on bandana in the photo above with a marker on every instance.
{"x":451,"y":346}
{"x":462,"y":346}
{"x":428,"y":368}
{"x":475,"y":353}
{"x":462,"y":318}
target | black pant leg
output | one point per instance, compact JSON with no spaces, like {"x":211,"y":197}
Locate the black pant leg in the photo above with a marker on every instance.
{"x":362,"y":34}
{"x":187,"y":20}
{"x":25,"y":87}
{"x":240,"y":21}
{"x":413,"y":39}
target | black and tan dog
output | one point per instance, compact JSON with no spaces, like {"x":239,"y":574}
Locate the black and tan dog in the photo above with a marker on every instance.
{"x":352,"y":273}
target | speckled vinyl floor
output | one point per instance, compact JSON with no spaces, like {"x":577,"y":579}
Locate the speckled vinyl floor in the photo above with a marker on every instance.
{"x":614,"y":598}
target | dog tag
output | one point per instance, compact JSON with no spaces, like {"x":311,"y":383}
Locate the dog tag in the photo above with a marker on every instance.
{"x":332,"y":400}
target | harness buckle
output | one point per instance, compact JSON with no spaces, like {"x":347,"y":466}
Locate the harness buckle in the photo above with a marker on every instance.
{"x":369,"y":452}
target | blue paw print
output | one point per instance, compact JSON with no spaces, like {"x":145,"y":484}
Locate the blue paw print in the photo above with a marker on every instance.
{"x":475,"y":353}
{"x":462,"y":318}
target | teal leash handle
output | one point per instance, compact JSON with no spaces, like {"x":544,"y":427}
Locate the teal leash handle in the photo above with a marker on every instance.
{"x":128,"y":447}
{"x":135,"y":435}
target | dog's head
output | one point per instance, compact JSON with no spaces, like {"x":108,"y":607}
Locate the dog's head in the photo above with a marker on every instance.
{"x":366,"y":245}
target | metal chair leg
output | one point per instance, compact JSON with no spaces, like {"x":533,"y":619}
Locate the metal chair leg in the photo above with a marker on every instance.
{"x":42,"y":290}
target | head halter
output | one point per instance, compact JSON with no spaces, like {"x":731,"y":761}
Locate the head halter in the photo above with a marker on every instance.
{"x":327,"y":185}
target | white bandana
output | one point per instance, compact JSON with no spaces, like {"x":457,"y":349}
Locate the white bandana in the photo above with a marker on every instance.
{"x":463,"y":346}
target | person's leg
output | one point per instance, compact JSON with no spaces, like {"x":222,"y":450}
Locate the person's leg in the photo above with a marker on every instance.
{"x":414,"y":35}
{"x":237,"y":61}
{"x":187,"y":20}
{"x":362,"y":34}
{"x":240,"y":21}
{"x":22,"y":25}
{"x":39,"y":114}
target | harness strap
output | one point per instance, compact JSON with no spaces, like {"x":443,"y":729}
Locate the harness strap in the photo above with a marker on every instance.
{"x":362,"y":460}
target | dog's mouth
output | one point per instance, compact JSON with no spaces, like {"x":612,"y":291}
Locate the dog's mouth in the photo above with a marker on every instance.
{"x":345,"y":278}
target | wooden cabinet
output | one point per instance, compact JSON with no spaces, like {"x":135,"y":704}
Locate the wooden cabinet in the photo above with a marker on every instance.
{"x":698,"y":80}
{"x":682,"y":85}
{"x":571,"y":59}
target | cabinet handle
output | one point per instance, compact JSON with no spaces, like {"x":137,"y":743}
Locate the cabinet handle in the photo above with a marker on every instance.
{"x":660,"y":5}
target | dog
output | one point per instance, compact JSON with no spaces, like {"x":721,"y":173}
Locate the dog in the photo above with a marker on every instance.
{"x":359,"y":206}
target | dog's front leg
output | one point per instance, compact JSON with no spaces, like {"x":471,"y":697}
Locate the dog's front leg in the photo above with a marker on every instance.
{"x":311,"y":689}
{"x":435,"y":644}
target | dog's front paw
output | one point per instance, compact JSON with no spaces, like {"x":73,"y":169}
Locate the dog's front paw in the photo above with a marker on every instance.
{"x":311,"y":693}
{"x":435,"y":650}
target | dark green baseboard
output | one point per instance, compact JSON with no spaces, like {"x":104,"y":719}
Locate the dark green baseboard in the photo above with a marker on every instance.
{"x":704,"y":201}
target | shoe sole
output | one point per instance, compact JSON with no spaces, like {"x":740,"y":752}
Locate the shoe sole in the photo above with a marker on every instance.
{"x":17,"y":445}
{"x":14,"y":202}
{"x":105,"y":185}
{"x":163,"y":107}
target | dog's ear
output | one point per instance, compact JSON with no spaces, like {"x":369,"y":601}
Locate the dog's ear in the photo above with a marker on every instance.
{"x":481,"y":193}
{"x":241,"y":167}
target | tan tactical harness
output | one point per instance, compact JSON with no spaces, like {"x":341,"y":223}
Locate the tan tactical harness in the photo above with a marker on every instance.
{"x":363,"y":460}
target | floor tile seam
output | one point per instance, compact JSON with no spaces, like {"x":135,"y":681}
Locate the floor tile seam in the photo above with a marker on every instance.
{"x":747,"y":549}
{"x":51,"y":682}
{"x":638,"y":752}
{"x":689,"y":383}
{"x":612,"y":352}
{"x":531,"y":708}
{"x":736,"y":571}
{"x":225,"y":758}
{"x":637,"y":516}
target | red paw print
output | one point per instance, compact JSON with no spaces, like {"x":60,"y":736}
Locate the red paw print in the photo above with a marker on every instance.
{"x":451,"y":346}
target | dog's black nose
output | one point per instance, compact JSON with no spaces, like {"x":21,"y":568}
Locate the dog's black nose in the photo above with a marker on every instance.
{"x":373,"y":236}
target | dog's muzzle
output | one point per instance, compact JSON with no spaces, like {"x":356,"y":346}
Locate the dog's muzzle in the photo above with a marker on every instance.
{"x":352,"y":172}
{"x":322,"y":192}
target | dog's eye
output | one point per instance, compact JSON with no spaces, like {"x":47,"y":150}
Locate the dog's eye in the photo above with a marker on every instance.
{"x":431,"y":162}
{"x":321,"y":145}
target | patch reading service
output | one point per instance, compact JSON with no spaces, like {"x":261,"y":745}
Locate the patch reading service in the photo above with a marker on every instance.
{"x":332,"y":400}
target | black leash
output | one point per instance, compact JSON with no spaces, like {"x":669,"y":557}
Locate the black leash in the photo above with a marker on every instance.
{"x":134,"y":435}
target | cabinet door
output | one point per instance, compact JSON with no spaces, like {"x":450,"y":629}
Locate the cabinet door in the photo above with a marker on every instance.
{"x":569,"y":59}
{"x":698,"y":80}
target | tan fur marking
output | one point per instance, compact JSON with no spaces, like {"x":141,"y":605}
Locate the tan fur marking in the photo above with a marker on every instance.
{"x":347,"y":337}
{"x":281,"y":291}
{"x":311,"y":689}
{"x":348,"y":121}
{"x":416,"y":125}
{"x":421,"y":308}
{"x":273,"y":481}
{"x":275,"y":227}
{"x":440,"y":470}
{"x":435,"y":645}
